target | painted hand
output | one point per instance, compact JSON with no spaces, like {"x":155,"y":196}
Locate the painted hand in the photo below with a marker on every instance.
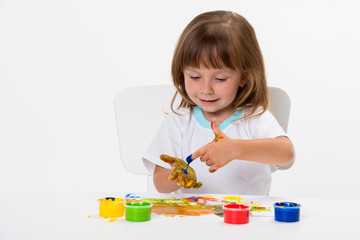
{"x":217,"y":153}
{"x":186,"y":180}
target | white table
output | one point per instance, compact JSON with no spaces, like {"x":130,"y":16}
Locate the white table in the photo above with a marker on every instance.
{"x":65,"y":216}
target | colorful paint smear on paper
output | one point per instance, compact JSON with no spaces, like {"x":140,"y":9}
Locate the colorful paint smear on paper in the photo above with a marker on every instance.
{"x":197,"y":206}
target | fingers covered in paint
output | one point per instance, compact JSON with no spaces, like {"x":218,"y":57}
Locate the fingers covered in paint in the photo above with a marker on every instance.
{"x":217,"y":131}
{"x":181,"y":172}
{"x":173,"y":175}
{"x":168,"y":159}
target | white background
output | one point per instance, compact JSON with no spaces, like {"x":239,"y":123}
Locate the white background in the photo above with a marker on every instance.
{"x":61,"y":62}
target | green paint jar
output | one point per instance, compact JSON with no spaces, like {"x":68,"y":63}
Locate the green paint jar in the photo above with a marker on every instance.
{"x":138,"y":211}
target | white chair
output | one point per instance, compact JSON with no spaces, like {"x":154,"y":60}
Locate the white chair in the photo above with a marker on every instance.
{"x":280,"y":106}
{"x":140,"y":110}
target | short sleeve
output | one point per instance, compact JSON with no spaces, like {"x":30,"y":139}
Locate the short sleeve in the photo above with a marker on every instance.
{"x":167,"y":141}
{"x":266,"y":126}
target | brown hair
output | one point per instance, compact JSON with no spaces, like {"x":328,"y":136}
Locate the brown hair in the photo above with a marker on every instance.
{"x":222,"y":39}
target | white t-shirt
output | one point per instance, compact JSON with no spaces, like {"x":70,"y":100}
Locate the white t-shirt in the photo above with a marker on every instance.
{"x":181,"y":135}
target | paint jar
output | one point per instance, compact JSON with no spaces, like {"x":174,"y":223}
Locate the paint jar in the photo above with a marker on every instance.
{"x":287,"y":211}
{"x":236,"y":213}
{"x":138,"y":211}
{"x":111,"y":207}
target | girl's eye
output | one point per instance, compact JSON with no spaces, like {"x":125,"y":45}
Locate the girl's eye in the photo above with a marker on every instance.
{"x":221,"y":79}
{"x":194,"y":78}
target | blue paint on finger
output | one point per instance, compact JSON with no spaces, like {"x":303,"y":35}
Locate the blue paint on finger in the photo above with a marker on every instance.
{"x":188,"y":159}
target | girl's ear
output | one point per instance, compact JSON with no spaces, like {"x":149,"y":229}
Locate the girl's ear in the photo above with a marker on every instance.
{"x":243,"y":82}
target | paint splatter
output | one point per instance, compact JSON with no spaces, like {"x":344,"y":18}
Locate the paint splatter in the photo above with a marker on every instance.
{"x":234,"y":198}
{"x":131,"y":195}
{"x":260,"y":209}
{"x":194,"y":206}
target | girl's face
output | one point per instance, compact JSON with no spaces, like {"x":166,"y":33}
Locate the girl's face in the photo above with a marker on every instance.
{"x":213,"y":90}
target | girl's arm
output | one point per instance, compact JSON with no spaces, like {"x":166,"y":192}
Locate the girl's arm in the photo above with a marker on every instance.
{"x":162,"y":182}
{"x":274,"y":151}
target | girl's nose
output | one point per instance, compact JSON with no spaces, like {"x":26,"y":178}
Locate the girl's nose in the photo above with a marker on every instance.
{"x":206,"y":87}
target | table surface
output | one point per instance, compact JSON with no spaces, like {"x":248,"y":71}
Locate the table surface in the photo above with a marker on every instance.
{"x":66,"y":216}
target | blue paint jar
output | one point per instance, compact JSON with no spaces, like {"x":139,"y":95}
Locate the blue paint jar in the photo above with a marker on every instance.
{"x":287,"y":212}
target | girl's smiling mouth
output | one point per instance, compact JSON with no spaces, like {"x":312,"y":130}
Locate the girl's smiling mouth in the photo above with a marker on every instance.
{"x":208,"y":101}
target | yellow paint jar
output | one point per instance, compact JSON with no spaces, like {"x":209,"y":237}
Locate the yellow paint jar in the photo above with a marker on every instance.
{"x":111,"y":207}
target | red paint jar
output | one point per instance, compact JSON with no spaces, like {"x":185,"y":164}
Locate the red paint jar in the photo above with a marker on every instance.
{"x":236,"y":213}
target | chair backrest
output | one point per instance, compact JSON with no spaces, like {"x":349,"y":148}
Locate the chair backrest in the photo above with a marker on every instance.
{"x":140,"y":110}
{"x":280,"y":106}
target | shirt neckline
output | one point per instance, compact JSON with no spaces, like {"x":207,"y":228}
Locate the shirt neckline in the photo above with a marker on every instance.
{"x":199,"y":116}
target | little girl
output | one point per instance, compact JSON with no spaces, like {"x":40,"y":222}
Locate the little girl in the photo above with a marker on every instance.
{"x":218,"y":71}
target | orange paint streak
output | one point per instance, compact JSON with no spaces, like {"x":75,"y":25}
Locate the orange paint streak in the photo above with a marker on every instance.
{"x":194,"y":206}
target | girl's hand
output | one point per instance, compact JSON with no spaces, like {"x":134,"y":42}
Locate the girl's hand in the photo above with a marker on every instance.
{"x":186,"y":180}
{"x":217,"y":153}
